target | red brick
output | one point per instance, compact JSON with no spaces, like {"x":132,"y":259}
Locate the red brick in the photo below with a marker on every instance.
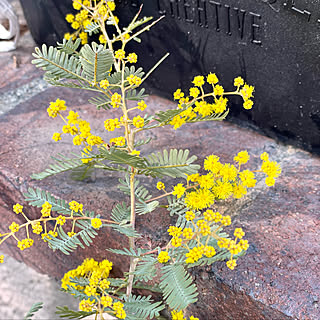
{"x":279,"y":276}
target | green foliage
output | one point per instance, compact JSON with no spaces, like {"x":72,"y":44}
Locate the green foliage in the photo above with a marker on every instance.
{"x":116,"y":77}
{"x":34,"y":308}
{"x":67,"y":244}
{"x":130,"y":252}
{"x":135,"y":95}
{"x":101,"y":101}
{"x":144,"y":208}
{"x":92,"y":28}
{"x":146,"y":269}
{"x":120,"y":213}
{"x":141,"y":307}
{"x":69,"y":46}
{"x":124,"y":229}
{"x":177,"y":207}
{"x":96,"y":61}
{"x":63,"y":164}
{"x":38,"y":197}
{"x":178,"y":289}
{"x":65,"y":312}
{"x":57,"y":64}
{"x":175,"y":164}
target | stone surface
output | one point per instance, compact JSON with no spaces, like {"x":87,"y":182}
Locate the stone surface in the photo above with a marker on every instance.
{"x":272,"y":44}
{"x":277,"y":279}
{"x":21,"y":287}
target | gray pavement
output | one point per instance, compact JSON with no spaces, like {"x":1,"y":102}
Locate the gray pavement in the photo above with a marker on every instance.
{"x":20,"y":285}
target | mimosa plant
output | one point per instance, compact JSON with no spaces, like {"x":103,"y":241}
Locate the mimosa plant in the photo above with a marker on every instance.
{"x":199,"y":236}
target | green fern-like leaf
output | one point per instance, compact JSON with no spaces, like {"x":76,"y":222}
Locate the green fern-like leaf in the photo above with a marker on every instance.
{"x":65,"y":312}
{"x":63,"y":164}
{"x":34,"y":308}
{"x":80,"y":281}
{"x":128,"y":252}
{"x":67,"y":244}
{"x":92,"y":28}
{"x":116,"y":156}
{"x":140,"y":143}
{"x":140,"y":307}
{"x":101,"y":101}
{"x":137,"y":23}
{"x":165,"y":117}
{"x":144,"y":207}
{"x":120,"y":213}
{"x":124,"y":229}
{"x":135,"y":95}
{"x":141,"y":192}
{"x":146,"y":270}
{"x":115,"y":78}
{"x":178,"y":289}
{"x":96,"y":61}
{"x":175,"y":164}
{"x":69,"y":46}
{"x":38,"y":197}
{"x":87,"y":233}
{"x":212,"y":117}
{"x":57,"y":64}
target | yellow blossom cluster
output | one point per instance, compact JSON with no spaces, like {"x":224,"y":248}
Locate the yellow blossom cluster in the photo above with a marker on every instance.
{"x":199,"y":194}
{"x":98,"y":298}
{"x":271,"y":168}
{"x":89,"y":11}
{"x":178,"y":315}
{"x":195,"y":105}
{"x":78,"y":128}
{"x":40,"y":226}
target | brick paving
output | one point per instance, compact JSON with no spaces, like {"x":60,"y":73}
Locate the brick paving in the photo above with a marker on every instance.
{"x":278,"y":279}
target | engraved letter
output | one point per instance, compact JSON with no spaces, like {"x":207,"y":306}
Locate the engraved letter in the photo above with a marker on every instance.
{"x":303,"y":12}
{"x":174,"y":9}
{"x":240,"y":20}
{"x":188,"y":11}
{"x":228,"y":20}
{"x":216,"y":6}
{"x":202,"y":13}
{"x":254,"y":28}
{"x":161,"y":11}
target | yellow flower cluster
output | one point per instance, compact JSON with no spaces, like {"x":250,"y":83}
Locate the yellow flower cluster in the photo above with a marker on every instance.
{"x":98,"y":298}
{"x":17,"y":208}
{"x":55,"y":108}
{"x":201,"y":231}
{"x":134,"y":80}
{"x":46,"y":209}
{"x":25,"y":244}
{"x":201,"y":107}
{"x":138,"y":122}
{"x":220,"y":182}
{"x":163,"y":257}
{"x":78,"y":128}
{"x":118,"y":141}
{"x":96,"y":223}
{"x":161,"y":186}
{"x":271,"y":168}
{"x":89,"y":11}
{"x":75,"y":206}
{"x":178,"y":315}
{"x":111,"y":124}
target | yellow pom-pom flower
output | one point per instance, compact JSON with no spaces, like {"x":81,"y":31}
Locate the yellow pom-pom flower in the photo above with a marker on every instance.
{"x":96,"y":223}
{"x":163,"y":257}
